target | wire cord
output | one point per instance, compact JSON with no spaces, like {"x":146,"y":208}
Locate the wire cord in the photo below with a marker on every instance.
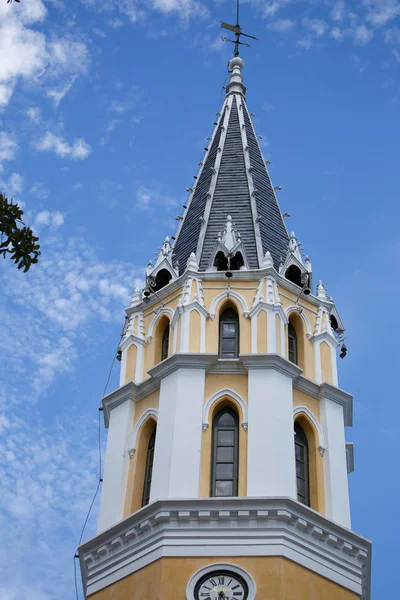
{"x":100,"y":410}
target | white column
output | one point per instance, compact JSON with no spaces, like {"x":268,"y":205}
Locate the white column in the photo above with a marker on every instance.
{"x":116,"y":465}
{"x":271,"y":462}
{"x":271,"y":328}
{"x":176,"y":470}
{"x":335,"y":466}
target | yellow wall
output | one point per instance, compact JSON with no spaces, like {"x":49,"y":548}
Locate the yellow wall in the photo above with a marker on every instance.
{"x":303,"y":399}
{"x":131,"y":363}
{"x":276,"y":578}
{"x":194,"y":332}
{"x":151,"y":401}
{"x":326,"y":362}
{"x":262,"y":332}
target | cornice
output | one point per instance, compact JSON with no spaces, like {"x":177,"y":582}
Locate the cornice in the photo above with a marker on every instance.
{"x":131,"y":391}
{"x":230,"y":527}
{"x":233,"y":366}
{"x":306,"y":385}
{"x":188,"y":360}
{"x":335,"y":394}
{"x":271,"y":361}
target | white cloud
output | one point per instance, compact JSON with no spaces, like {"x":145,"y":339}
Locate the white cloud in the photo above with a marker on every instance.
{"x":65,"y":294}
{"x":149,"y":197}
{"x":79,"y":150}
{"x":186,"y":9}
{"x":52,"y":219}
{"x":271,"y":7}
{"x":26,"y":53}
{"x":69,"y":56}
{"x":362,"y":35}
{"x":381,"y":12}
{"x":396,"y":54}
{"x":33,"y":113}
{"x":338,"y":11}
{"x":13,"y":186}
{"x":112,"y":125}
{"x":39,"y":191}
{"x":57,"y":94}
{"x":392,"y":36}
{"x":336,"y":33}
{"x":282,"y":25}
{"x":8,"y":147}
{"x":317,"y":26}
{"x":304,"y":44}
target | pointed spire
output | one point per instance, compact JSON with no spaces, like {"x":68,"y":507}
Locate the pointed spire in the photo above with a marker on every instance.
{"x":136,"y":297}
{"x":192,"y":263}
{"x":235,"y":85}
{"x":321,"y":291}
{"x":267,"y":261}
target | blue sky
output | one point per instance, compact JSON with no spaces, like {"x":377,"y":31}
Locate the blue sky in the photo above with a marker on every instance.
{"x":105,"y":111}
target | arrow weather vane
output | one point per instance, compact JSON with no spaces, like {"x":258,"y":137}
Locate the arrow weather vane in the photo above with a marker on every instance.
{"x":237,"y":31}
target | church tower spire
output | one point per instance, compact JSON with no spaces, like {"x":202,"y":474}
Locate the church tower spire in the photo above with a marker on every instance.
{"x":233,"y":180}
{"x":226,"y":465}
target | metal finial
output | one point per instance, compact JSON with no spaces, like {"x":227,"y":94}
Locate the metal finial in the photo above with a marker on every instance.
{"x":237,"y":30}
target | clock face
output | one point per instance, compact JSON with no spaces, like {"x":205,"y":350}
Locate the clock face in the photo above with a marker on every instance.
{"x":221,"y":585}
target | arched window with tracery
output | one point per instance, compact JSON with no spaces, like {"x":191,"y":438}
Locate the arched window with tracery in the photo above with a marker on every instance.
{"x":302,"y":465}
{"x":165,"y":343}
{"x":148,"y":473}
{"x":292,"y":344}
{"x":229,"y":334}
{"x":225,"y":454}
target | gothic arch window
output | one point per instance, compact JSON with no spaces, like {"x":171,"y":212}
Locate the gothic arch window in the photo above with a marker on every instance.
{"x":237,"y":261}
{"x":221,"y":261}
{"x":148,"y":473}
{"x":165,"y":343}
{"x":225,"y":454}
{"x":292,"y":344}
{"x":163,"y":277}
{"x":302,"y":465}
{"x":293,"y":274}
{"x":229,"y":334}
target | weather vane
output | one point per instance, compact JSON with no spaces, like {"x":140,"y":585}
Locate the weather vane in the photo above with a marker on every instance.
{"x":237,"y":31}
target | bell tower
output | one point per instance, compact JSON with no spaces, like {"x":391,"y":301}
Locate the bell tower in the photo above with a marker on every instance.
{"x":226,"y":464}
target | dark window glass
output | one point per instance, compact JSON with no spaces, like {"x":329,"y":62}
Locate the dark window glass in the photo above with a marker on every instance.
{"x":224,"y":480}
{"x":165,"y":343}
{"x":149,"y":469}
{"x":302,"y":465}
{"x":292,"y":344}
{"x":229,"y":334}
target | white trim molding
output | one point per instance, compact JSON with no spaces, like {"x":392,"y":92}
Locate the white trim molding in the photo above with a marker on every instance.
{"x":163,"y":311}
{"x":295,"y":308}
{"x":251,"y":585}
{"x":227,"y":527}
{"x":228,"y":294}
{"x":306,"y":411}
{"x":132,"y":443}
{"x":225,"y":392}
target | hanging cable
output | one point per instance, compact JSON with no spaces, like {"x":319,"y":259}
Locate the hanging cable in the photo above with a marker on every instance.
{"x":100,"y":480}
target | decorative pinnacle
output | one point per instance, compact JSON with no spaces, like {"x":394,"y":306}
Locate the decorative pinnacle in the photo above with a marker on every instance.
{"x":235,"y":85}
